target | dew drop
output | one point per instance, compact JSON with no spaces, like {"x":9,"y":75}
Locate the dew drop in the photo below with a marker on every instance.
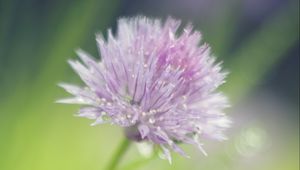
{"x":151,"y":120}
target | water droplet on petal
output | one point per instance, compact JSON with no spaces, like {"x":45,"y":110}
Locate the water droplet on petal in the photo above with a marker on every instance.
{"x":151,"y":120}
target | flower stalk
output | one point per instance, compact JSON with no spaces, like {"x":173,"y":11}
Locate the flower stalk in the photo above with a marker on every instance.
{"x":118,"y":155}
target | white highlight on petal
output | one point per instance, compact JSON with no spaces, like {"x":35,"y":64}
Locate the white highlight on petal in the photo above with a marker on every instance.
{"x":73,"y":100}
{"x":166,"y":154}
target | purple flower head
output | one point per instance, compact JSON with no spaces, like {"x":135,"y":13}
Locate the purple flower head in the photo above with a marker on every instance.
{"x":158,"y":85}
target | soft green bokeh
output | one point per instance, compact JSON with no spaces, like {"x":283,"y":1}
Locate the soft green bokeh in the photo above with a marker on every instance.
{"x":36,"y":39}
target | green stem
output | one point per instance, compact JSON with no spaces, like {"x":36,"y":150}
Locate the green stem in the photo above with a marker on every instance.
{"x":117,"y":157}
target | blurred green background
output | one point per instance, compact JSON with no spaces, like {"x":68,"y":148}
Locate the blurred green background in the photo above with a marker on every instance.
{"x":258,"y":40}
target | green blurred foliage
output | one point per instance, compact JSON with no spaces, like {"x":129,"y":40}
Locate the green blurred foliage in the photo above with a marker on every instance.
{"x":36,"y":39}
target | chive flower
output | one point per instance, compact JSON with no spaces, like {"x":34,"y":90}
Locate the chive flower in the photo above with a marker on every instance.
{"x":158,"y":83}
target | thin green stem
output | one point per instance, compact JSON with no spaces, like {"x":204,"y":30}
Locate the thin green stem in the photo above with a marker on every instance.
{"x":117,"y":157}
